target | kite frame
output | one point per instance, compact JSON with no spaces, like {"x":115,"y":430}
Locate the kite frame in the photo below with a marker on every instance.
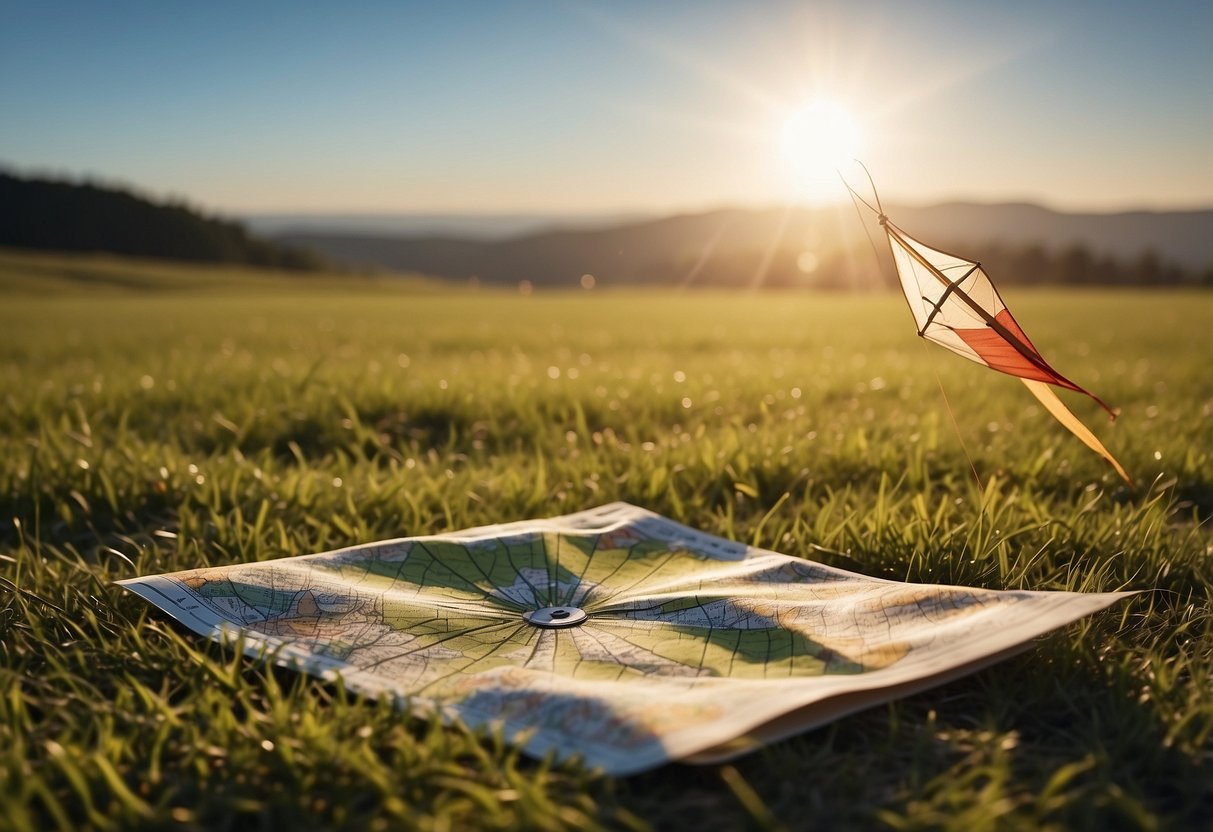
{"x":1028,"y":352}
{"x":1039,"y":388}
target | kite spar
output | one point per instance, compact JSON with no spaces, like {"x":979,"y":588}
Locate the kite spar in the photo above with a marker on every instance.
{"x":955,"y":305}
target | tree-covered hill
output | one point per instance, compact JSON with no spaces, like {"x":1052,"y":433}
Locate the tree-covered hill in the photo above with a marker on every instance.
{"x":68,"y":216}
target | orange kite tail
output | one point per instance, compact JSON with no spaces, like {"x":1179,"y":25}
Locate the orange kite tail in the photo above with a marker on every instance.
{"x":1062,"y":414}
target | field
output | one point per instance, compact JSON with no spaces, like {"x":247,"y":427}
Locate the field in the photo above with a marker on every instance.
{"x":154,"y":419}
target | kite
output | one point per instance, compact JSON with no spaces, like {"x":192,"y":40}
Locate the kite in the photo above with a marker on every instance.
{"x":613,"y":635}
{"x":956,"y":305}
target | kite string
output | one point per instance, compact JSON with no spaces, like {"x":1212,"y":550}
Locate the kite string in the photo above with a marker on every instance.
{"x":855,"y":200}
{"x":956,"y":427}
{"x":864,"y":226}
{"x":855,"y":195}
{"x":878,"y":209}
{"x":872,"y":183}
{"x":981,"y":489}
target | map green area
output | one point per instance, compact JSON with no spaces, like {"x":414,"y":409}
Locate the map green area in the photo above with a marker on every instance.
{"x":614,"y":634}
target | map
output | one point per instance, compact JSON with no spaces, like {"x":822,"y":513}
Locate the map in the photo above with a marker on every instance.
{"x":613,"y":635}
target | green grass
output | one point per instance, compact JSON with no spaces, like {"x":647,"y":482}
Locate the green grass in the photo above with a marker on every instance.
{"x":240,"y":418}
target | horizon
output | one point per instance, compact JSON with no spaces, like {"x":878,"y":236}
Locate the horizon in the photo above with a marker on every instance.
{"x":641,"y":215}
{"x":617,"y":215}
{"x":585,"y":110}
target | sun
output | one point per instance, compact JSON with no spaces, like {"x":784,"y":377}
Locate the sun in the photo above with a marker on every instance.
{"x":819,"y":138}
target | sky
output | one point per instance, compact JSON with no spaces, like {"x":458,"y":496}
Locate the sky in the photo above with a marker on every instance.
{"x":587,"y":107}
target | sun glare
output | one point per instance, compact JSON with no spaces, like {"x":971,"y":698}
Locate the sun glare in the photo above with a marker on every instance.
{"x":818,"y":139}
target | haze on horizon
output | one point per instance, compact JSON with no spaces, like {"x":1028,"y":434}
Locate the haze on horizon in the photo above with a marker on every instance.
{"x":546,"y":106}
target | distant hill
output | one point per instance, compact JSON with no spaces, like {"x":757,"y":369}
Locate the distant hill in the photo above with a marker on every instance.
{"x":66,"y":216}
{"x":824,"y":247}
{"x":465,"y":226}
{"x":1184,"y":238}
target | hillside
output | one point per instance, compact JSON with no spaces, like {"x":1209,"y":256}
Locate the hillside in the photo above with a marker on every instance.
{"x":466,"y":225}
{"x":822,"y":247}
{"x":63,"y":274}
{"x":1184,"y":238}
{"x":66,"y":216}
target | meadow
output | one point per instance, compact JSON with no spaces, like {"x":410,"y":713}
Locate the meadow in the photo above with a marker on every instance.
{"x":155,"y":418}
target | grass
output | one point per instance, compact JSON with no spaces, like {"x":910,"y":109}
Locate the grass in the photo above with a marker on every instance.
{"x":241,"y":417}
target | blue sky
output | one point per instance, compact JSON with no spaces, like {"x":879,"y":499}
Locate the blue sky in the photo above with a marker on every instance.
{"x":601,"y":107}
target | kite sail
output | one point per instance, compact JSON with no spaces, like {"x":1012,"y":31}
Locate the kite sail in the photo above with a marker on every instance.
{"x":956,"y":306}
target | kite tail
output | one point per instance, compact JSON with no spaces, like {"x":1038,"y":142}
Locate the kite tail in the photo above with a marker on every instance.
{"x":1111,"y":413}
{"x":1062,"y":414}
